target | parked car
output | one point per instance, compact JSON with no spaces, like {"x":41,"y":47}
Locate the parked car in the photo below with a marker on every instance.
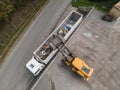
{"x":107,"y":18}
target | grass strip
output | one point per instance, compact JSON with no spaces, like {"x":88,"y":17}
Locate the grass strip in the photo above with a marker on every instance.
{"x":104,"y":5}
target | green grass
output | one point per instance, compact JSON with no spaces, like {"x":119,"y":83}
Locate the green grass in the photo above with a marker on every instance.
{"x":105,"y":5}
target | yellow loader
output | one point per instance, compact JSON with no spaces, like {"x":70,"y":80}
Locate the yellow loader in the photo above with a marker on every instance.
{"x":76,"y":64}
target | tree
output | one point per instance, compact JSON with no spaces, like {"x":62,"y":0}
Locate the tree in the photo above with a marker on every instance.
{"x":5,"y":9}
{"x":18,"y":3}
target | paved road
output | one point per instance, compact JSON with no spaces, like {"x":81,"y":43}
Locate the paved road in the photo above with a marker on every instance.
{"x":13,"y":75}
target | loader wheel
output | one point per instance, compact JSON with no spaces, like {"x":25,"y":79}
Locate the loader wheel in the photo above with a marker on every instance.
{"x":64,"y":61}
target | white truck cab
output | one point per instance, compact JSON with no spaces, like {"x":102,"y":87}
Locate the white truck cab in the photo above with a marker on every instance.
{"x":34,"y":66}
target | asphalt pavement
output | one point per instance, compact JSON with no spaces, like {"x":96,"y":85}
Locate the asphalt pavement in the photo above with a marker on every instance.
{"x":13,"y":74}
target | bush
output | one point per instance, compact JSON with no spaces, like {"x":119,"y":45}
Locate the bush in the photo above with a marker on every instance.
{"x":5,"y":9}
{"x":104,"y":5}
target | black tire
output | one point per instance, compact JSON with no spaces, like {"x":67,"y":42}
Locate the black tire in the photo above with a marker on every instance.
{"x":64,"y":61}
{"x":107,"y":18}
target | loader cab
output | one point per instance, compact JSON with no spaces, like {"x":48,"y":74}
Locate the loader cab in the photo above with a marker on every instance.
{"x":82,"y":68}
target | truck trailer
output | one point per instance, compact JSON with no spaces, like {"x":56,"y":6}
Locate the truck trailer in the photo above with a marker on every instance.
{"x":43,"y":55}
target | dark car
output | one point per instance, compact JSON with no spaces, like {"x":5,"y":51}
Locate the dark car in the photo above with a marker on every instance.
{"x":107,"y":18}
